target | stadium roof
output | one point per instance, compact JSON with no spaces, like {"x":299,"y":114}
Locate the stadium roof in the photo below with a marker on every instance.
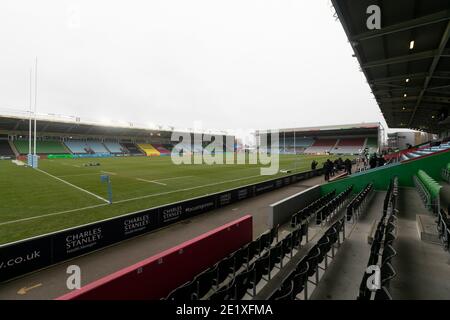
{"x":410,"y":80}
{"x":59,"y":125}
{"x":356,"y":128}
{"x":372,"y":125}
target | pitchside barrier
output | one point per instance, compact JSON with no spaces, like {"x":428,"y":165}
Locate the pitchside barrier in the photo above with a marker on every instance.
{"x":25,"y":256}
{"x":281,"y":211}
{"x":155,"y":277}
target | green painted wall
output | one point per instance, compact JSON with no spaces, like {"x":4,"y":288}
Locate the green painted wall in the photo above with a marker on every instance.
{"x":380,"y":177}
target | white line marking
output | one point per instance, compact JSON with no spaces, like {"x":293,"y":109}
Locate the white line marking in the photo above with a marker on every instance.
{"x":172,"y":178}
{"x":53,"y":214}
{"x":74,"y":186}
{"x":120,"y":201}
{"x":184,"y":189}
{"x":152,"y":181}
{"x":79,"y":175}
{"x":108,"y":172}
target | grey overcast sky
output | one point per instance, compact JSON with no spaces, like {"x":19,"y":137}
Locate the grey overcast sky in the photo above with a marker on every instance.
{"x":232,"y":64}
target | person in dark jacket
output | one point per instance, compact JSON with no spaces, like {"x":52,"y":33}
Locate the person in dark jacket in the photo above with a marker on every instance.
{"x":314,"y":165}
{"x":326,"y":170}
{"x":373,"y":161}
{"x":348,"y":166}
{"x":381,"y":161}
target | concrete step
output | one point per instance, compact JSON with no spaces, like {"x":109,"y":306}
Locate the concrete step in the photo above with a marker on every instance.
{"x":426,"y":226}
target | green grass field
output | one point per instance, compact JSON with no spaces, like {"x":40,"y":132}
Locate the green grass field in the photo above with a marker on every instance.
{"x":35,"y":202}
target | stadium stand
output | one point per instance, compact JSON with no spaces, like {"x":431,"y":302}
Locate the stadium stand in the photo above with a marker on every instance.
{"x":161,"y":149}
{"x":148,"y":149}
{"x":196,"y":148}
{"x":297,"y":145}
{"x":133,"y":149}
{"x":349,"y":146}
{"x":424,"y":151}
{"x":382,"y":251}
{"x":321,"y":146}
{"x":372,"y":144}
{"x":42,"y":147}
{"x":77,"y":147}
{"x":5,"y":149}
{"x":115,"y":147}
{"x":97,"y":147}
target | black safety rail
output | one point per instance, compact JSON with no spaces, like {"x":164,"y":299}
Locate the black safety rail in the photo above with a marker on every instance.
{"x":376,"y":280}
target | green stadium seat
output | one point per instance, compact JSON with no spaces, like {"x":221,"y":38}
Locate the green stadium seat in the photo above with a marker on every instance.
{"x":42,"y":147}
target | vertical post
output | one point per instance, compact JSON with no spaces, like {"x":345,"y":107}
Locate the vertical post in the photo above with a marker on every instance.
{"x":30,"y":156}
{"x":35,"y":104}
{"x":295,"y":147}
{"x":29,"y":122}
{"x":106,"y":179}
{"x":35,"y":156}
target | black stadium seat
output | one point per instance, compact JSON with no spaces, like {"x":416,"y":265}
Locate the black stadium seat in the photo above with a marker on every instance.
{"x":243,"y":282}
{"x":225,"y":293}
{"x":185,"y":292}
{"x":300,"y":277}
{"x":312,"y":258}
{"x":251,"y":251}
{"x":205,"y":281}
{"x":285,"y":292}
{"x":297,"y":237}
{"x":387,"y":274}
{"x":382,"y":294}
{"x":224,"y":268}
{"x":265,"y":240}
{"x":388,"y":253}
{"x":275,"y":255}
{"x":287,"y":245}
{"x":238,"y":259}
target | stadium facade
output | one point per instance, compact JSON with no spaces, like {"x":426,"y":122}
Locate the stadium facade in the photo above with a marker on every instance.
{"x":68,"y":139}
{"x":335,"y":139}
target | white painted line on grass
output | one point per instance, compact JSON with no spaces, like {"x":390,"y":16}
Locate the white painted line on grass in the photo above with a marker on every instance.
{"x":74,"y":186}
{"x":164,"y":179}
{"x":120,"y":201}
{"x":108,"y":172}
{"x":52,"y":214}
{"x":79,"y":175}
{"x":184,"y":189}
{"x":152,"y":181}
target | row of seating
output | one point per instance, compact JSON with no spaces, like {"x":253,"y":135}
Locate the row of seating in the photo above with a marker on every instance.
{"x":359,"y":203}
{"x":213,"y":277}
{"x":247,"y":281}
{"x":311,"y":209}
{"x":332,"y":207}
{"x":296,"y":282}
{"x":382,"y":251}
{"x":428,"y":190}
